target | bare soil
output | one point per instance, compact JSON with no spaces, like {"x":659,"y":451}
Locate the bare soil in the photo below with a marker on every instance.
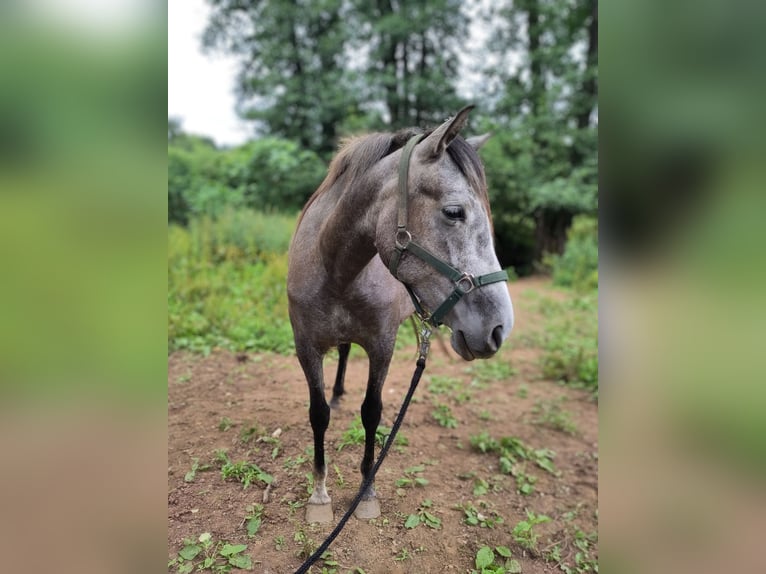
{"x":269,"y":392}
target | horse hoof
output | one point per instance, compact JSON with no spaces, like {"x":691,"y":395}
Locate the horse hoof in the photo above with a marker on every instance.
{"x":321,"y":513}
{"x":368,"y":509}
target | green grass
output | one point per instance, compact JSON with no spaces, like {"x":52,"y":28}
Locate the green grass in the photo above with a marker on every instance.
{"x":226,"y":284}
{"x":551,"y":414}
{"x":570,"y":340}
{"x":354,"y":435}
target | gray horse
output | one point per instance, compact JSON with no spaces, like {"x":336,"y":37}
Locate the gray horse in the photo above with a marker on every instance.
{"x":339,"y":286}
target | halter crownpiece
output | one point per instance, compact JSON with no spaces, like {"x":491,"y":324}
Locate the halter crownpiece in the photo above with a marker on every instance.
{"x":464,"y":282}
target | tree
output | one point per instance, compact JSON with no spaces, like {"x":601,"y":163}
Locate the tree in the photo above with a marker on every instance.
{"x":543,"y":110}
{"x":294,"y":79}
{"x":412,"y":63}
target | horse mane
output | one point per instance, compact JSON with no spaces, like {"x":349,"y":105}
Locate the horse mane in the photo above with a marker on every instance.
{"x":357,"y":154}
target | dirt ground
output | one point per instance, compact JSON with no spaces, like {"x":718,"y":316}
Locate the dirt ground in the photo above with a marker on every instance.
{"x":213,"y":400}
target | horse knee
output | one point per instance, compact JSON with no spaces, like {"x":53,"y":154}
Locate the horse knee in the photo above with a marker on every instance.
{"x":319,"y":415}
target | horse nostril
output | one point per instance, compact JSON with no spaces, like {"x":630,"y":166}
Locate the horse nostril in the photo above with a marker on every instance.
{"x":497,"y":336}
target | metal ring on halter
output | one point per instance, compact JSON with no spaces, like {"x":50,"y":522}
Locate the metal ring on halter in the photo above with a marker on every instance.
{"x":466,"y":278}
{"x":407,"y":240}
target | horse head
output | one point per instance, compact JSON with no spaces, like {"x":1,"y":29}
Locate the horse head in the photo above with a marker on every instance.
{"x":447,"y":217}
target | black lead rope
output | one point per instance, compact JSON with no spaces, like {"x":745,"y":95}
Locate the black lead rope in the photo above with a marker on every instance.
{"x":419,"y":368}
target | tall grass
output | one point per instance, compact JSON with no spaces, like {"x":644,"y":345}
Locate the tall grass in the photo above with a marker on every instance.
{"x":226,"y":283}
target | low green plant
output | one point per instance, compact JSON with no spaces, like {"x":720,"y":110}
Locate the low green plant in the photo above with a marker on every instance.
{"x":491,"y":370}
{"x":412,"y":477}
{"x":279,"y":542}
{"x":551,"y":414}
{"x":577,"y":267}
{"x":225,"y":424}
{"x":253,"y":519}
{"x":484,"y":517}
{"x":524,"y":534}
{"x":423,"y":516}
{"x":242,"y":471}
{"x":485,"y":561}
{"x":444,"y":385}
{"x":443,"y":415}
{"x":511,"y":450}
{"x":354,"y":435}
{"x":206,"y":554}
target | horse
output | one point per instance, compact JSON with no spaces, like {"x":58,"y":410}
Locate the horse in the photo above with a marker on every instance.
{"x":356,"y":271}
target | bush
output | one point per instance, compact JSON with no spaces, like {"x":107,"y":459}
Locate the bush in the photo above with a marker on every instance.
{"x":226,"y":283}
{"x":577,"y":267}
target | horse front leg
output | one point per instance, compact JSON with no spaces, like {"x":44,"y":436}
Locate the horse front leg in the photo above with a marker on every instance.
{"x":319,"y":507}
{"x":372,"y":408}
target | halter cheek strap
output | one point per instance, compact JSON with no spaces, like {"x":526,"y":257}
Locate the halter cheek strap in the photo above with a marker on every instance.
{"x":464,"y":282}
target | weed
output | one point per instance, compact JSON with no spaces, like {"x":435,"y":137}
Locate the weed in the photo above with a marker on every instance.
{"x":522,"y":391}
{"x":444,"y":385}
{"x":485,"y":518}
{"x":307,"y":545}
{"x":225,"y":424}
{"x":206,"y":554}
{"x":340,"y":480}
{"x":242,"y":471}
{"x":189,"y":476}
{"x":491,"y":370}
{"x":251,"y":432}
{"x":253,"y":519}
{"x":185,"y":378}
{"x":570,"y":341}
{"x":485,"y":561}
{"x":292,"y":462}
{"x":524,"y":532}
{"x":402,"y":556}
{"x":485,"y":415}
{"x":294,"y":505}
{"x":550,"y":414}
{"x":511,"y":450}
{"x":279,"y":542}
{"x":423,"y":516}
{"x":412,"y":477}
{"x":354,"y":435}
{"x":525,"y":484}
{"x":442,"y":414}
{"x":272,"y":440}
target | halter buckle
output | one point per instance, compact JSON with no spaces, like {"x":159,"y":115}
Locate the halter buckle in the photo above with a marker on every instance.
{"x":403,"y":238}
{"x":466,"y":283}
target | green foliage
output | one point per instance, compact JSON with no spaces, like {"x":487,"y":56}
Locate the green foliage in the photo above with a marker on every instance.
{"x":524,"y":532}
{"x":242,"y":471}
{"x":570,"y":341}
{"x":423,"y":516}
{"x":226,"y":283}
{"x":485,"y":561}
{"x":512,"y":450}
{"x":254,"y":519}
{"x":412,"y":477}
{"x":577,"y":267}
{"x":443,"y":415}
{"x":354,"y":435}
{"x":204,"y":554}
{"x":484,"y":517}
{"x":552,"y":415}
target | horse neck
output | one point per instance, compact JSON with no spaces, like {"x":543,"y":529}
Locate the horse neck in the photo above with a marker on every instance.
{"x":347,"y":239}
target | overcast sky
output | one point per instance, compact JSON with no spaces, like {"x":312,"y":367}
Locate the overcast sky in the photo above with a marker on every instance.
{"x":200,"y":87}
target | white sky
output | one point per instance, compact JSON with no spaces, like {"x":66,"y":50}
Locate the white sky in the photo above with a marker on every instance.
{"x":200,"y":87}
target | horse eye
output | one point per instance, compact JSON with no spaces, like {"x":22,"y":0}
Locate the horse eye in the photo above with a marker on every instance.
{"x":454,"y":212}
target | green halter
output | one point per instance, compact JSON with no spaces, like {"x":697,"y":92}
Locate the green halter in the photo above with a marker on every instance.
{"x":464,"y":282}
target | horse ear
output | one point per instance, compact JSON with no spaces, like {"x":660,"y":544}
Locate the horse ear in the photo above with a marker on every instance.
{"x":477,"y":141}
{"x":435,"y":144}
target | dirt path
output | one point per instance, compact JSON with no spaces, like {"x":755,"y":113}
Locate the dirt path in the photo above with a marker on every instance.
{"x":213,"y":401}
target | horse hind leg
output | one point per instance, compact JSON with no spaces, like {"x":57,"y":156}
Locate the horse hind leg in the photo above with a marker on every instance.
{"x":319,"y":507}
{"x":338,"y":388}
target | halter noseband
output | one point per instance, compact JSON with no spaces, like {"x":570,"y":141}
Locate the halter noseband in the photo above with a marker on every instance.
{"x":464,"y":282}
